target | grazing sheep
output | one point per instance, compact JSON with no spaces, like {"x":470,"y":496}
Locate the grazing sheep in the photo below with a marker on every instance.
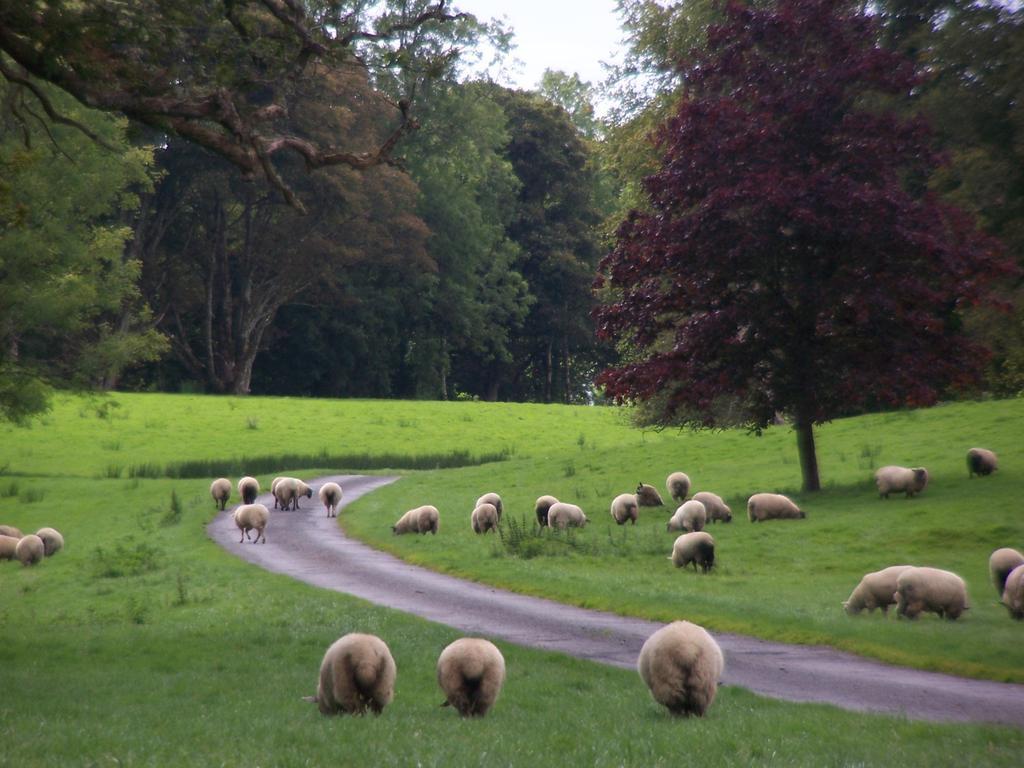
{"x":697,"y":548}
{"x":681,"y":664}
{"x":330,"y":497}
{"x":425,"y":519}
{"x":29,"y":550}
{"x":772,"y":506}
{"x":544,"y":503}
{"x":562,"y":515}
{"x":8,"y":544}
{"x":252,"y":517}
{"x":714,"y":506}
{"x":53,"y":542}
{"x":1013,"y":593}
{"x":900,"y":480}
{"x":471,"y":672}
{"x":981,"y":462}
{"x":220,"y":489}
{"x":491,"y":498}
{"x":357,"y":674}
{"x":691,"y":516}
{"x":1000,"y":563}
{"x":678,"y":484}
{"x":248,"y":489}
{"x":289,"y":490}
{"x":875,"y":590}
{"x":624,"y":507}
{"x":930,"y":589}
{"x":484,"y":518}
{"x":647,"y":496}
{"x":10,"y":530}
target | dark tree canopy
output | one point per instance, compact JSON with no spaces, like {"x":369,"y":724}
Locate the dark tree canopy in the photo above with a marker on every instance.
{"x":791,"y":259}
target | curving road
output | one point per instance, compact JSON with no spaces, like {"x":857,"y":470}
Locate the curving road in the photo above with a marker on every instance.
{"x":311,"y":547}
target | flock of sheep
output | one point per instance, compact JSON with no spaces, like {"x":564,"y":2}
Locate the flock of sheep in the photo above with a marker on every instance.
{"x":30,"y":549}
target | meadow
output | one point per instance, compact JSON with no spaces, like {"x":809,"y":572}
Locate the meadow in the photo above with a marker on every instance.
{"x":143,"y":643}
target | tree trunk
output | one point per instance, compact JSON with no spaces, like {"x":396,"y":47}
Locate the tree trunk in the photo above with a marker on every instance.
{"x":808,"y":455}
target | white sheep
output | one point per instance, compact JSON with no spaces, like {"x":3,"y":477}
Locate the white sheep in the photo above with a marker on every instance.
{"x":484,"y":518}
{"x":772,"y":506}
{"x":248,"y":489}
{"x":678,"y":485}
{"x":900,"y":480}
{"x":471,"y":672}
{"x":648,"y":496}
{"x":53,"y":542}
{"x":10,"y":530}
{"x":330,"y":497}
{"x":273,"y":488}
{"x":29,"y":550}
{"x":8,"y":545}
{"x":624,"y":508}
{"x":220,"y":490}
{"x":691,"y":516}
{"x":252,"y":517}
{"x":930,"y":589}
{"x":875,"y":590}
{"x":681,"y":665}
{"x":425,"y":519}
{"x":544,"y":503}
{"x":357,"y":674}
{"x":1000,"y":563}
{"x":1013,"y":593}
{"x":491,"y":498}
{"x":289,"y":490}
{"x":981,"y":462}
{"x":714,"y":506}
{"x":697,"y":548}
{"x":563,"y":515}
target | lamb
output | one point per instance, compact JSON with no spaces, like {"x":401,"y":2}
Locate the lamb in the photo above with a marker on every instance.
{"x":1013,"y":594}
{"x":425,"y":519}
{"x":29,"y":550}
{"x":647,"y":496}
{"x":678,"y":484}
{"x":981,"y":462}
{"x":484,"y":518}
{"x":491,"y":498}
{"x":53,"y":542}
{"x":8,"y":545}
{"x":624,"y":507}
{"x":289,"y":490}
{"x":252,"y":517}
{"x":562,"y":515}
{"x":356,"y":674}
{"x":900,"y":480}
{"x":471,"y":672}
{"x":714,"y":506}
{"x":875,"y":590}
{"x":330,"y":497}
{"x":772,"y":506}
{"x":10,"y":530}
{"x":697,"y":548}
{"x":691,"y":516}
{"x":544,"y":503}
{"x":1001,"y":563}
{"x":248,"y":489}
{"x":681,"y":665}
{"x":930,"y":589}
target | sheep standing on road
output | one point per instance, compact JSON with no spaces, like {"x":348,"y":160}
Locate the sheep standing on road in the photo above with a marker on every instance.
{"x":249,"y":517}
{"x":248,"y":489}
{"x":330,"y":497}
{"x":289,"y":490}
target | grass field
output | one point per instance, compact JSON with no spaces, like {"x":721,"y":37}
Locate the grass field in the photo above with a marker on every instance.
{"x":145,"y":644}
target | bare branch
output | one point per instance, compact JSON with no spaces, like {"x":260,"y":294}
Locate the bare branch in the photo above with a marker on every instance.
{"x":436,"y":13}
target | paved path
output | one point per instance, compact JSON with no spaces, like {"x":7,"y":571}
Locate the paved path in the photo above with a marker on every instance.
{"x":311,"y":547}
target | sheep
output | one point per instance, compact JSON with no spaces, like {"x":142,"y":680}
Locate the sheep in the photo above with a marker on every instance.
{"x":691,"y":516}
{"x":647,"y":496}
{"x":1000,"y":563}
{"x":289,"y":490}
{"x":900,"y":479}
{"x":10,"y":530}
{"x":772,"y":506}
{"x":714,"y":506}
{"x":1013,"y":593}
{"x":248,"y":489}
{"x":357,"y":674}
{"x":330,"y":497}
{"x":930,"y":589}
{"x":29,"y":550}
{"x":875,"y":590}
{"x":678,"y":485}
{"x":544,"y":503}
{"x":220,"y":490}
{"x":8,"y":544}
{"x":981,"y":462}
{"x":252,"y":517}
{"x":697,"y":548}
{"x":425,"y":519}
{"x":53,"y":542}
{"x":681,"y":665}
{"x":484,"y":518}
{"x":471,"y":672}
{"x":624,"y":507}
{"x":491,"y":498}
{"x":562,"y":515}
{"x":273,"y":489}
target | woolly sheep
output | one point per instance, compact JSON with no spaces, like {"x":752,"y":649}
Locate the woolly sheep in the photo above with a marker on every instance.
{"x":484,"y":518}
{"x":562,"y":515}
{"x":10,"y":530}
{"x":289,"y":490}
{"x":648,"y":496}
{"x":981,"y":462}
{"x":220,"y":489}
{"x":678,"y":484}
{"x":544,"y":503}
{"x":252,"y":517}
{"x":357,"y":674}
{"x":1013,"y":593}
{"x":624,"y":507}
{"x":930,"y":589}
{"x":29,"y":550}
{"x":471,"y":672}
{"x":330,"y":497}
{"x":772,"y":506}
{"x":8,"y":544}
{"x":53,"y":542}
{"x":691,"y":516}
{"x":681,"y":665}
{"x":423,"y":519}
{"x":273,"y":489}
{"x":1000,"y":563}
{"x":900,"y":480}
{"x":875,"y":590}
{"x":491,"y":498}
{"x":248,"y":489}
{"x":714,"y":506}
{"x":697,"y":548}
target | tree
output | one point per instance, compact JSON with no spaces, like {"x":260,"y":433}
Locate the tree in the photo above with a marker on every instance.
{"x":791,"y":259}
